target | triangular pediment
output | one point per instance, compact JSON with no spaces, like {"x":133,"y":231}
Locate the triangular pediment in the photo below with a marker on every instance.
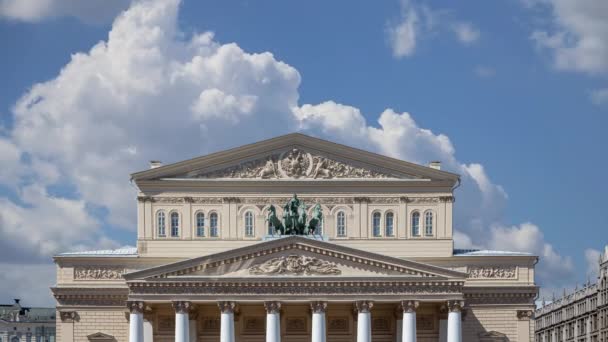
{"x":295,"y":157}
{"x":488,"y":336}
{"x":99,"y":336}
{"x":296,"y":257}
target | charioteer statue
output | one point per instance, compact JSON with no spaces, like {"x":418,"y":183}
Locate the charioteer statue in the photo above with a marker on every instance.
{"x":295,"y":218}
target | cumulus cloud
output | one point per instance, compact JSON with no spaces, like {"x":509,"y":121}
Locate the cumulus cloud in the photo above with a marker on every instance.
{"x":577,"y":35}
{"x":599,"y":96}
{"x":90,"y":11}
{"x":466,"y":32}
{"x":151,"y":92}
{"x":592,"y":257}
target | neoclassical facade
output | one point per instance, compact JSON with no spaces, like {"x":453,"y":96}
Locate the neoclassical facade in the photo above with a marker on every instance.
{"x":210,"y":265}
{"x":581,"y":316}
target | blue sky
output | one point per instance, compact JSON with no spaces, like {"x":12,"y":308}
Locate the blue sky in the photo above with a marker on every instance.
{"x":511,"y":85}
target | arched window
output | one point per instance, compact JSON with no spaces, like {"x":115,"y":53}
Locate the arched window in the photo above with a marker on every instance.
{"x":389,"y":221}
{"x":200,"y":224}
{"x":160,"y":223}
{"x":428,"y":223}
{"x":213,"y":232}
{"x":341,"y":224}
{"x":15,"y":339}
{"x":174,"y":224}
{"x":249,"y":224}
{"x":376,"y":224}
{"x":416,"y":223}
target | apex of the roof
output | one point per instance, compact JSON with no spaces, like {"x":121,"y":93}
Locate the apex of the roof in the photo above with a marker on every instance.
{"x":295,"y":156}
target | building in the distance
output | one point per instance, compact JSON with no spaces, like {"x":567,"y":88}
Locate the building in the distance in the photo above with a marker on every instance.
{"x":210,"y":266}
{"x":581,"y":316}
{"x":24,"y":324}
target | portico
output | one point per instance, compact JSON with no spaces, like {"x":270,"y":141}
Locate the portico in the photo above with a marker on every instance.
{"x":240,"y":319}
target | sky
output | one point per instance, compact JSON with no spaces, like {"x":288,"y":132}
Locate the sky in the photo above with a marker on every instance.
{"x":510,"y":94}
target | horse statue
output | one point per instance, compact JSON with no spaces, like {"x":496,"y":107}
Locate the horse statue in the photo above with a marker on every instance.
{"x":316,"y":219}
{"x":274,"y":220}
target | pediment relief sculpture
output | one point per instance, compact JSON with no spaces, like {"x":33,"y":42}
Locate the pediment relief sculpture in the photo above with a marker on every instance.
{"x":293,"y":164}
{"x":295,"y":265}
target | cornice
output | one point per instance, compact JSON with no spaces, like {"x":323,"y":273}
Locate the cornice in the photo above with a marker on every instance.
{"x":296,"y":243}
{"x":81,"y":296}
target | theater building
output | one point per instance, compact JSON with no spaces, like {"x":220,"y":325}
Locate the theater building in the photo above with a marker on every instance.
{"x":379,"y":266}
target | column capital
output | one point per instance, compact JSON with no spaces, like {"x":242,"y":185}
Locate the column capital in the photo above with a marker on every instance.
{"x":318,"y":306}
{"x":182,"y":307}
{"x":455,"y":305}
{"x":135,"y":307}
{"x":364,"y":306}
{"x":226,"y":307}
{"x":272,"y":307}
{"x":409,"y":306}
{"x":68,"y":316}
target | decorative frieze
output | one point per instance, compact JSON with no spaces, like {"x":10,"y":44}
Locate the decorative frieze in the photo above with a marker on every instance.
{"x":295,"y":265}
{"x":422,"y":200}
{"x":525,"y":315}
{"x":292,"y":164}
{"x":501,"y":298}
{"x":98,"y":273}
{"x":169,"y":200}
{"x":68,"y":316}
{"x":492,"y":272}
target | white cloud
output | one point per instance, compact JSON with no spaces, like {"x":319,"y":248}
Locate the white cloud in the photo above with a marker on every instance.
{"x":599,"y":96}
{"x":90,"y":11}
{"x":466,"y":32}
{"x":402,"y":35}
{"x":592,"y":257}
{"x":577,"y":35}
{"x":484,"y":71}
{"x":149,"y":93}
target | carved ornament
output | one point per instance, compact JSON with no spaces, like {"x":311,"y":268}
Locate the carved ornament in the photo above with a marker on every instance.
{"x":98,"y":273}
{"x":295,"y":265}
{"x":318,"y":307}
{"x":68,"y":316}
{"x":182,"y":307}
{"x":364,"y":306}
{"x":409,"y":306}
{"x":226,"y":307}
{"x":455,"y":305}
{"x":293,"y":164}
{"x":135,"y":307}
{"x":272,"y":307}
{"x":525,"y":315}
{"x":492,"y":272}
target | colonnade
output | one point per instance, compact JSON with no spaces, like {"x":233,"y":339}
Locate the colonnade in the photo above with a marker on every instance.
{"x":405,"y":333}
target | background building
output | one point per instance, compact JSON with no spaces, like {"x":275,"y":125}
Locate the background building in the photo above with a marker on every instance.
{"x":24,"y":324}
{"x":581,"y":316}
{"x":209,"y":266}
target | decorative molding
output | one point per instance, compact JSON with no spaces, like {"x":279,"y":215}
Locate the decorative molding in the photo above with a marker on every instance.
{"x":446,"y":199}
{"x":78,"y":296}
{"x":525,"y":315}
{"x":409,"y":306}
{"x":227,"y":307}
{"x":501,"y":297}
{"x":318,"y":306}
{"x":295,"y":264}
{"x":362,"y":199}
{"x":272,"y":307}
{"x":492,"y":272}
{"x":99,"y":336}
{"x":455,"y":305}
{"x":169,"y":200}
{"x":422,"y":200}
{"x":99,"y":272}
{"x":292,"y":164}
{"x":384,"y":200}
{"x":136,"y":307}
{"x":69,"y":316}
{"x":364,"y":306}
{"x":206,"y":200}
{"x":182,"y":307}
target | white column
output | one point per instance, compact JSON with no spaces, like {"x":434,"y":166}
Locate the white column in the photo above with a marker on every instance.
{"x":318,"y":321}
{"x":409,"y":320}
{"x":273,"y":321}
{"x":148,"y":331}
{"x":193,"y":328}
{"x":364,"y":320}
{"x":227,"y":321}
{"x":182,"y":324}
{"x":455,"y":321}
{"x":136,"y":321}
{"x":398,"y":324}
